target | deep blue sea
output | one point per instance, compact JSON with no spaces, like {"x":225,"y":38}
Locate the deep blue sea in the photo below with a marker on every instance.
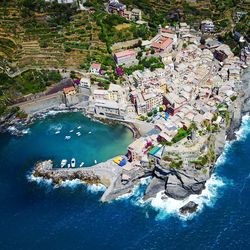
{"x":36,"y":215}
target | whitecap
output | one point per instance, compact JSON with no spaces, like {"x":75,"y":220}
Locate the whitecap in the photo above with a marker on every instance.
{"x":169,"y":206}
{"x":70,"y":183}
{"x":26,"y":131}
{"x":244,"y":130}
{"x":96,"y":188}
{"x":39,"y":180}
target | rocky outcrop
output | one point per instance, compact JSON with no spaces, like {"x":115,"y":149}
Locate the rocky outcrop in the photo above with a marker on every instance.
{"x":178,"y":184}
{"x":156,"y":185}
{"x":240,"y":107}
{"x":190,"y":207}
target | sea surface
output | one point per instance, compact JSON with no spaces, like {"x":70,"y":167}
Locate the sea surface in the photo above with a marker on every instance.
{"x":36,"y":215}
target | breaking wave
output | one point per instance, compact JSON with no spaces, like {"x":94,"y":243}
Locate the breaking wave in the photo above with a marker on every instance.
{"x":244,"y":130}
{"x":93,"y":188}
{"x":171,"y":206}
{"x":166,"y":207}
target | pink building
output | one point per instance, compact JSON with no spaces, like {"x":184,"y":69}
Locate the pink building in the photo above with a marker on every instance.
{"x":162,"y":44}
{"x":126,"y":57}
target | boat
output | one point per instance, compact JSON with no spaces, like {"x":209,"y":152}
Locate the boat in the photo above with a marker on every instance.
{"x":73,"y":162}
{"x":63,"y":163}
{"x":78,"y":134}
{"x":67,"y":137}
{"x":68,"y":165}
{"x":58,"y":132}
{"x":81,"y":165}
{"x":79,"y":127}
{"x":71,"y":131}
{"x":95,"y":161}
{"x":90,"y":132}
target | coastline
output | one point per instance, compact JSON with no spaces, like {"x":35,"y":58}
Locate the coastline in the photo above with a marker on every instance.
{"x":115,"y":184}
{"x":114,"y":177}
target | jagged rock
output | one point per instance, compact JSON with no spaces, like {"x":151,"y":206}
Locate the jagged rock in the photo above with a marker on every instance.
{"x":174,"y":188}
{"x":190,"y":207}
{"x":180,"y":186}
{"x":156,"y":185}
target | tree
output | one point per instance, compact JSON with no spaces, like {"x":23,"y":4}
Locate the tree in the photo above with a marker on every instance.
{"x":203,"y":41}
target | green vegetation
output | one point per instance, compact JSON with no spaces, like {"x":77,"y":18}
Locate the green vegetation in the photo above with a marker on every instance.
{"x":176,"y":164}
{"x":32,"y":81}
{"x":151,"y":63}
{"x":201,"y":161}
{"x":181,"y":134}
{"x":51,"y":35}
{"x":233,"y":98}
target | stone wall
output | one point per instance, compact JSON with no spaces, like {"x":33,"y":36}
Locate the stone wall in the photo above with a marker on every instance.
{"x":42,"y":104}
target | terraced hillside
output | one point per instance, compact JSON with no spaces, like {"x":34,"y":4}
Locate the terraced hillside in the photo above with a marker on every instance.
{"x":33,"y":41}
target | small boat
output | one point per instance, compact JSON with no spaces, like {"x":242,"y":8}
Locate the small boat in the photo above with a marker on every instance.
{"x":81,"y":165}
{"x":90,"y":132}
{"x":79,"y":127}
{"x":78,"y":134}
{"x":67,"y":137}
{"x":71,"y":131}
{"x":63,"y":163}
{"x":73,"y":162}
{"x":95,"y":161}
{"x":57,"y":132}
{"x":68,"y":165}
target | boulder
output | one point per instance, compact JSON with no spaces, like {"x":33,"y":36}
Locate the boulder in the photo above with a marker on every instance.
{"x":156,"y":185}
{"x":175,"y":189}
{"x":180,"y":186}
{"x":189,"y":208}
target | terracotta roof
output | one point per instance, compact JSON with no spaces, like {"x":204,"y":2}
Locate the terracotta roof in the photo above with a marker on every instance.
{"x":96,"y":66}
{"x":69,"y":89}
{"x":162,"y":43}
{"x":125,"y":53}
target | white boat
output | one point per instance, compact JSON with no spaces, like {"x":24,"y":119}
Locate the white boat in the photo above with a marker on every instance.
{"x":79,"y":127}
{"x":57,"y":132}
{"x":90,"y":132}
{"x":78,"y":134}
{"x":67,"y":137}
{"x":95,"y":161}
{"x":81,"y":165}
{"x":73,"y":162}
{"x":68,"y":165}
{"x":71,"y":131}
{"x":63,"y":163}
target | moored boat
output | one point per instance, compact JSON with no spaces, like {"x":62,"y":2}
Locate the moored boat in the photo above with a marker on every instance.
{"x":63,"y":163}
{"x":73,"y":162}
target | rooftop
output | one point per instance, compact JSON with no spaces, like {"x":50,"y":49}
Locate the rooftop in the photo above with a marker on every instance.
{"x":69,"y":89}
{"x":125,"y":53}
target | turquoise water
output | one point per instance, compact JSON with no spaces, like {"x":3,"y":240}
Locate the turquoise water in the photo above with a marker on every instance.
{"x":39,"y":216}
{"x":46,"y":140}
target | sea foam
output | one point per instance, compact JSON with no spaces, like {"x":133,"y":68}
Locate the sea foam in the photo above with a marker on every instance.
{"x":244,"y":130}
{"x":72,"y":184}
{"x":170,"y":207}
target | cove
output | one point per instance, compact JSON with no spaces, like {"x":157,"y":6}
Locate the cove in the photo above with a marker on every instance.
{"x":67,"y":136}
